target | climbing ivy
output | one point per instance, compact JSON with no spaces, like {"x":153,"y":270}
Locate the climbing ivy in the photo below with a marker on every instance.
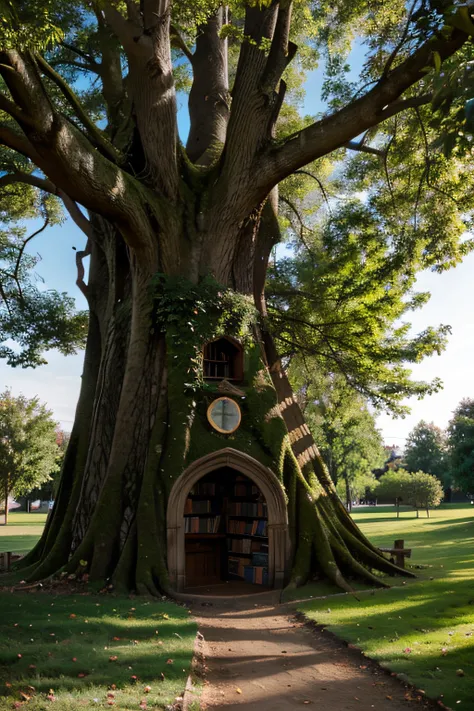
{"x":191,"y":314}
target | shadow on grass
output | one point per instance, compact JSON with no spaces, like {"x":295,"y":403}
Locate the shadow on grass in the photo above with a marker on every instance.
{"x":78,"y":643}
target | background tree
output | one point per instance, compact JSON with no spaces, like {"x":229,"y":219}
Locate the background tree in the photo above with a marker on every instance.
{"x":33,"y":319}
{"x":88,"y":102}
{"x":425,"y":450}
{"x":424,"y":492}
{"x":49,"y":489}
{"x":394,"y":486}
{"x":461,"y":445}
{"x":28,"y":447}
{"x":346,"y":432}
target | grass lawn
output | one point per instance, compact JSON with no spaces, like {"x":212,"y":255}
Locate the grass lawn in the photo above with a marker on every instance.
{"x":22,"y":531}
{"x":425,"y":628}
{"x":84,"y":652}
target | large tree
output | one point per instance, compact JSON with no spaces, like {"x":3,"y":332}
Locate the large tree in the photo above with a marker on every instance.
{"x":179,"y":237}
{"x":345,"y":430}
{"x":461,"y":445}
{"x":426,"y":450}
{"x":28,"y":447}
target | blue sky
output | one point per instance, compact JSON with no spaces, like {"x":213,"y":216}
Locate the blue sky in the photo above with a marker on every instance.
{"x":452,"y":303}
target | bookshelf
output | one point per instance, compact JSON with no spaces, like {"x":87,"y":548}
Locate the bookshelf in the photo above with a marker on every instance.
{"x":226,"y":535}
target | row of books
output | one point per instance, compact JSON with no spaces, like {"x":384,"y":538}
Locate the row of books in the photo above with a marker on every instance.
{"x":236,"y":566}
{"x":244,"y":489}
{"x":247,"y":545}
{"x":239,"y":545}
{"x":249,"y":528}
{"x":204,"y":488}
{"x":241,"y":568}
{"x":247,"y":508}
{"x":256,"y":574}
{"x":195,"y":524}
{"x":191,"y":506}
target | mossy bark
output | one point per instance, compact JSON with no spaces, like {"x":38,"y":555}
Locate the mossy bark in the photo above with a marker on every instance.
{"x":141,"y":420}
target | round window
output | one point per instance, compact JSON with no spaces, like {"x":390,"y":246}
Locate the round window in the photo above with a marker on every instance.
{"x":224,"y":415}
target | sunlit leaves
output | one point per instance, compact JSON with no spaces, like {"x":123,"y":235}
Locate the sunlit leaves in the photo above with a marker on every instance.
{"x":28,"y":449}
{"x":461,"y":445}
{"x":29,"y":25}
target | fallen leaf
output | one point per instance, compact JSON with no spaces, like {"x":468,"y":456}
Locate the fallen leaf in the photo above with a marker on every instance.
{"x":72,"y":616}
{"x":116,"y":639}
{"x":113,"y":658}
{"x":388,"y":697}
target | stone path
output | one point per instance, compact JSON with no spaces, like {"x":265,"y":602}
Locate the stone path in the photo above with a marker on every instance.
{"x":264,"y":659}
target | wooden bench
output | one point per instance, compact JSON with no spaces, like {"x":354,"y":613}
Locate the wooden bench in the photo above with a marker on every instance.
{"x":398,"y":553}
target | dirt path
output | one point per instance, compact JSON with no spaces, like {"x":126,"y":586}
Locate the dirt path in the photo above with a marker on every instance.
{"x":266,"y":660}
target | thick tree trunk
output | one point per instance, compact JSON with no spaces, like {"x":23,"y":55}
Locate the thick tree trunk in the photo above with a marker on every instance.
{"x":141,"y":418}
{"x":348,"y":494}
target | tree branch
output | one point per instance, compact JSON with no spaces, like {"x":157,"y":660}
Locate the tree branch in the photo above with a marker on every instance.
{"x":321,"y":186}
{"x":177,"y":41}
{"x":80,"y":53}
{"x":94,"y":133}
{"x":77,"y":215}
{"x":28,"y":179}
{"x":17,"y":142}
{"x":69,"y":160}
{"x":209,"y":96}
{"x":80,"y":256}
{"x":20,"y":255}
{"x":333,"y":131}
{"x":362,"y":148}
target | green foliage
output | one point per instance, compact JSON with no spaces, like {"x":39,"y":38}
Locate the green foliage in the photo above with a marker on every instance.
{"x":424,"y":491}
{"x":28,"y":448}
{"x":394,"y":485}
{"x":461,"y":445}
{"x":192,"y":314}
{"x":419,"y":489}
{"x":426,"y":450}
{"x":34,"y":320}
{"x":30,"y":24}
{"x":342,"y":426}
{"x":340,"y":300}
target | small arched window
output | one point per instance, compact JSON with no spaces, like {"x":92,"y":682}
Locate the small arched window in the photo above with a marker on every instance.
{"x":223,"y":358}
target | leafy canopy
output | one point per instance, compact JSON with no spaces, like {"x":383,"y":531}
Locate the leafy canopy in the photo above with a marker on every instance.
{"x":461,"y":445}
{"x":28,"y":447}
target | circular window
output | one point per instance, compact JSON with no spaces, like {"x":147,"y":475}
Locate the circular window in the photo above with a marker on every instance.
{"x":224,"y":415}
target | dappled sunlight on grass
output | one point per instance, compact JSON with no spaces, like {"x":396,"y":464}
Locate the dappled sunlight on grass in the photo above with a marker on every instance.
{"x":423,"y":628}
{"x":92,"y":651}
{"x":22,"y":531}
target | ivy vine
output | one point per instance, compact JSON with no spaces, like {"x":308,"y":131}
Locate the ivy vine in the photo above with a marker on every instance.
{"x":192,"y":314}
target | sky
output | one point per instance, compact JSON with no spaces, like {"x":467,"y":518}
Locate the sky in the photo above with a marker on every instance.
{"x":452,"y":302}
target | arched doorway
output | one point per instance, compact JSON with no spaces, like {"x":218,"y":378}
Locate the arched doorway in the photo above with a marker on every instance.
{"x":272,"y":493}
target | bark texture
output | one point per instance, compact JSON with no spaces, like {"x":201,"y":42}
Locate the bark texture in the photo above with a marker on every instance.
{"x":161,"y":213}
